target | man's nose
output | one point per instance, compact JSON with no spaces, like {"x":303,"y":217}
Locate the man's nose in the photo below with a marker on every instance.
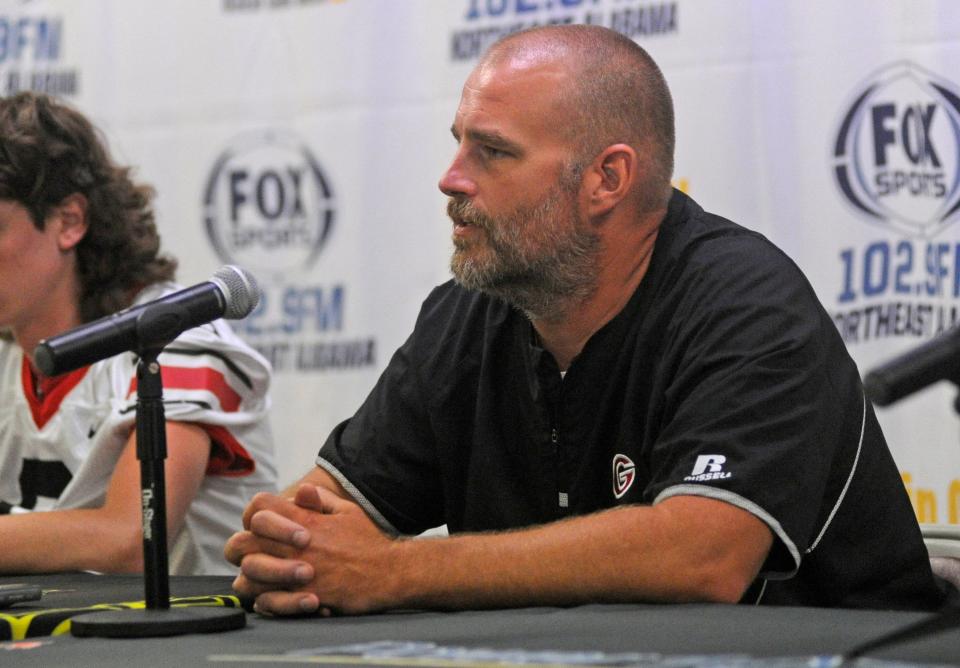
{"x":455,"y":180}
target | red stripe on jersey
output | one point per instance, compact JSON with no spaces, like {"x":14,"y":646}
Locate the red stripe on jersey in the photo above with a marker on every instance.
{"x":44,"y":400}
{"x":202,"y":378}
{"x":227,"y":456}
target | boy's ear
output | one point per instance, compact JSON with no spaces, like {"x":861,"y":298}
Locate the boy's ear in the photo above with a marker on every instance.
{"x":70,"y":215}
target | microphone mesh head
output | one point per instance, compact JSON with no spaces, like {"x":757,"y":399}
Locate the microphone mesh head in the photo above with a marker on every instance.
{"x":240,"y":291}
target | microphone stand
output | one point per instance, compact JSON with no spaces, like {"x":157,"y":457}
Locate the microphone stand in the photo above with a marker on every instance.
{"x":158,"y":618}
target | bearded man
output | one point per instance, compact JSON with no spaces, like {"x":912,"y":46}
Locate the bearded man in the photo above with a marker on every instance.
{"x":620,"y":397}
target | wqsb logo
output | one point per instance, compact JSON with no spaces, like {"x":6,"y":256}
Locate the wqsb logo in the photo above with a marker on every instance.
{"x":897,"y":154}
{"x":268,"y":203}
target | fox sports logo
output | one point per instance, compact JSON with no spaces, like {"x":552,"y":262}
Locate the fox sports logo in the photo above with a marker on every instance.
{"x":268,"y":204}
{"x":897,"y":153}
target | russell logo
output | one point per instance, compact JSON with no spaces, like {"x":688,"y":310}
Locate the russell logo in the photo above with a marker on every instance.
{"x":624,"y":473}
{"x":708,"y":467}
{"x":267,"y":203}
{"x":897,"y":151}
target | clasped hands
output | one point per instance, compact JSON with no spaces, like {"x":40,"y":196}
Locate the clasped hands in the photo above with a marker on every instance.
{"x":314,"y":553}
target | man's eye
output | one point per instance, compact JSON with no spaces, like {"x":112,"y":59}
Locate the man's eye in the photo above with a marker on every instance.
{"x":491,"y":152}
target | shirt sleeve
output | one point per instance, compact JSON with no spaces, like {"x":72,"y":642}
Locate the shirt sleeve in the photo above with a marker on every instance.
{"x":213,"y":379}
{"x":385,"y":455}
{"x":764,"y":406}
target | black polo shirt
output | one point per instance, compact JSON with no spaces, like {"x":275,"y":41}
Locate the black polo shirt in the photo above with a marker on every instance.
{"x":722,"y":377}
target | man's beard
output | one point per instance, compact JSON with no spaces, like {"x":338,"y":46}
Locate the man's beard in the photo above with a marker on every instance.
{"x":541,"y":259}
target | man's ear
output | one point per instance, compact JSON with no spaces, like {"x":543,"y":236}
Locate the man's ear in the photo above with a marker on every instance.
{"x":611,"y":177}
{"x":70,"y":217}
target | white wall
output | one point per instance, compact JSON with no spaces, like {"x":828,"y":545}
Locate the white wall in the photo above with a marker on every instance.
{"x":212,"y":99}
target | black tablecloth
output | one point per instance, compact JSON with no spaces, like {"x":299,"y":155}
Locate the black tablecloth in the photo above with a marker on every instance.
{"x":656,"y":635}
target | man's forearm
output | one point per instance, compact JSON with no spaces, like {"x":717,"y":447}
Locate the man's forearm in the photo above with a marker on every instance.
{"x":660,"y":553}
{"x":319,"y":552}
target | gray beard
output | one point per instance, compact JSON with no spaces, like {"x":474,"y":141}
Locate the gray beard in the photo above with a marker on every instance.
{"x":534,"y":262}
{"x":544,"y":291}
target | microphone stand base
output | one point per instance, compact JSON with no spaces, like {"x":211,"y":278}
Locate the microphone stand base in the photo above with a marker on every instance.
{"x":148,"y":623}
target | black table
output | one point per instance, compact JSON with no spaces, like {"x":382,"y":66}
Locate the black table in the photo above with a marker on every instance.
{"x":655,"y":635}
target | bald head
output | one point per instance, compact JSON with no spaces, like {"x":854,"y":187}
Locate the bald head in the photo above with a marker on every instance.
{"x":615,"y":94}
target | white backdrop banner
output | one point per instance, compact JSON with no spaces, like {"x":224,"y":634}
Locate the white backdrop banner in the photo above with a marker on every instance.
{"x":303,"y":139}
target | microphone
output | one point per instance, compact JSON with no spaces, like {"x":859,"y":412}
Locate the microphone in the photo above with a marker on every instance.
{"x":937,"y":359}
{"x":231,"y":293}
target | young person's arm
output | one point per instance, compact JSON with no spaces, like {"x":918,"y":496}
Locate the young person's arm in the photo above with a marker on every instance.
{"x":110,"y":538}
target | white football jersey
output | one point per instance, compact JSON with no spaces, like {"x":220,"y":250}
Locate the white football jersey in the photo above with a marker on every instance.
{"x":59,"y":443}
